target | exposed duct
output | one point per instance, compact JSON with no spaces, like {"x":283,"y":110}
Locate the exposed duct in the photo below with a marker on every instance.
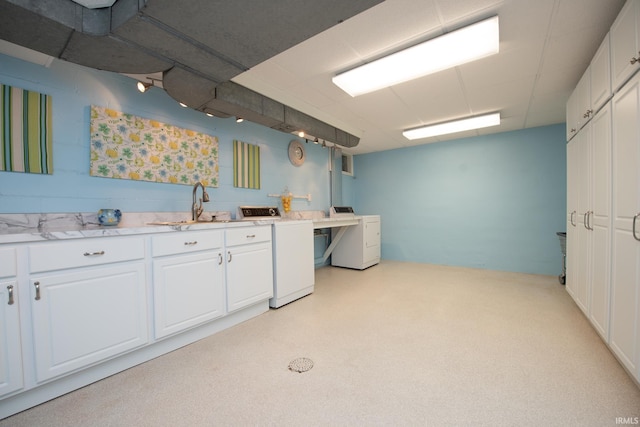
{"x":199,"y":45}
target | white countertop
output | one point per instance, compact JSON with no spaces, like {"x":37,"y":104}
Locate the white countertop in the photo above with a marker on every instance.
{"x":21,"y":228}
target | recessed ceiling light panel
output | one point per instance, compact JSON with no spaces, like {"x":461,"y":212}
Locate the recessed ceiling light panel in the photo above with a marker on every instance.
{"x":470,"y":123}
{"x":452,"y":49}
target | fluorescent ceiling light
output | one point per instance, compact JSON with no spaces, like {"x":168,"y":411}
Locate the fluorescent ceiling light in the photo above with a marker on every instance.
{"x":452,"y":49}
{"x":478,"y":122}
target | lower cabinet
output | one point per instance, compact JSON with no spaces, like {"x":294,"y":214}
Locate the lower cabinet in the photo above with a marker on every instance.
{"x":188,"y":280}
{"x":84,"y":317}
{"x":249,"y":266}
{"x":11,"y":378}
{"x":74,"y":311}
{"x":88,"y":302}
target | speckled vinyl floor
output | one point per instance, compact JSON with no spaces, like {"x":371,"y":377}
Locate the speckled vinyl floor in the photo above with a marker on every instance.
{"x":398,"y":344}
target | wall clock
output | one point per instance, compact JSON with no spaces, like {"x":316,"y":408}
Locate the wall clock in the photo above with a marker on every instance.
{"x":296,"y":153}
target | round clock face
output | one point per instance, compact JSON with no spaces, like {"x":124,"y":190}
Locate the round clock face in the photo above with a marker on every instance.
{"x":296,"y":152}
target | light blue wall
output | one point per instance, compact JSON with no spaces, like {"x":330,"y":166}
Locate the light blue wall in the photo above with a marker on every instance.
{"x":492,"y":202}
{"x":70,"y":189}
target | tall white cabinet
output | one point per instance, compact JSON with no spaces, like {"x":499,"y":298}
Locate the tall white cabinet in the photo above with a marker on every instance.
{"x":603,"y":191}
{"x":625,"y":295}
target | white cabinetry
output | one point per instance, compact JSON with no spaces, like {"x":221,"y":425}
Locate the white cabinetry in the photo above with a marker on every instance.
{"x":75,"y":311}
{"x":572,"y":115}
{"x":188,"y":280}
{"x":584,"y":99}
{"x":625,"y":284}
{"x":573,"y":176}
{"x":625,"y":44}
{"x":579,"y":110}
{"x":589,"y":221}
{"x":84,"y":311}
{"x":599,"y":220}
{"x":601,"y":75}
{"x":359,"y":248}
{"x":249,"y":266}
{"x":11,"y":378}
{"x":603,"y":194}
{"x":579,"y":156}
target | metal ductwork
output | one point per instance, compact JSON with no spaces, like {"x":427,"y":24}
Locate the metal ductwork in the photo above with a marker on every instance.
{"x":198,"y":45}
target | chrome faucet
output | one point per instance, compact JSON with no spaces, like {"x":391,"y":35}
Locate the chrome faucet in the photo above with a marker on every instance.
{"x":196,"y":210}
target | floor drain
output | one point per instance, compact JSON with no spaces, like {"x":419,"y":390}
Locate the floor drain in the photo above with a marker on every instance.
{"x":301,"y":364}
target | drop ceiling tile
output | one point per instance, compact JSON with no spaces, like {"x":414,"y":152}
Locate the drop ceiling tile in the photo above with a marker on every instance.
{"x":524,"y":19}
{"x":507,"y":66}
{"x":389,"y":26}
{"x":593,"y":15}
{"x":468,"y":11}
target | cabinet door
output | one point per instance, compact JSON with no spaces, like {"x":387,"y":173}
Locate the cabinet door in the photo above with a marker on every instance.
{"x":572,"y":115}
{"x":249,"y":275}
{"x":601,"y":75}
{"x":584,"y":98}
{"x":572,"y":212}
{"x":600,"y":220}
{"x":188,"y":290}
{"x":584,"y":236}
{"x":81,"y":317}
{"x":625,"y":264}
{"x":624,"y":44}
{"x":11,"y":378}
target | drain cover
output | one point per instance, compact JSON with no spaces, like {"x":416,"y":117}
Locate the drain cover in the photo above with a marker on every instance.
{"x":301,"y":364}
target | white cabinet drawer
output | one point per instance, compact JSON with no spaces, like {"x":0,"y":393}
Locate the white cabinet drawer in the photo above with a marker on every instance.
{"x":246,"y":235}
{"x":184,"y":242}
{"x":84,"y":252}
{"x":7,"y":262}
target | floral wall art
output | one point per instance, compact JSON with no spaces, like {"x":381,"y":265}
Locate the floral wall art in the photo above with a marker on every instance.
{"x":124,"y":146}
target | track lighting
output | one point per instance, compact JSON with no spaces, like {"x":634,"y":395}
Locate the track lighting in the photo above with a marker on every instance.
{"x":142,"y":86}
{"x":301,"y":134}
{"x":239,"y":120}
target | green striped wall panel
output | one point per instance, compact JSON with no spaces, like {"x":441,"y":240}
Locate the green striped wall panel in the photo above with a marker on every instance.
{"x":25,"y":131}
{"x":246,"y":165}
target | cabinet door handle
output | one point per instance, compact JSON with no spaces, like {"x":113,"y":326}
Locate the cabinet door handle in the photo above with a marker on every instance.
{"x":251,"y":236}
{"x":571,"y":218}
{"x":219,"y":258}
{"x":10,"y":290}
{"x":634,"y":59}
{"x":195,"y":242}
{"x":230,"y":257}
{"x":94,"y":253}
{"x":585,"y":221}
{"x":634,"y":227}
{"x":37,"y":286}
